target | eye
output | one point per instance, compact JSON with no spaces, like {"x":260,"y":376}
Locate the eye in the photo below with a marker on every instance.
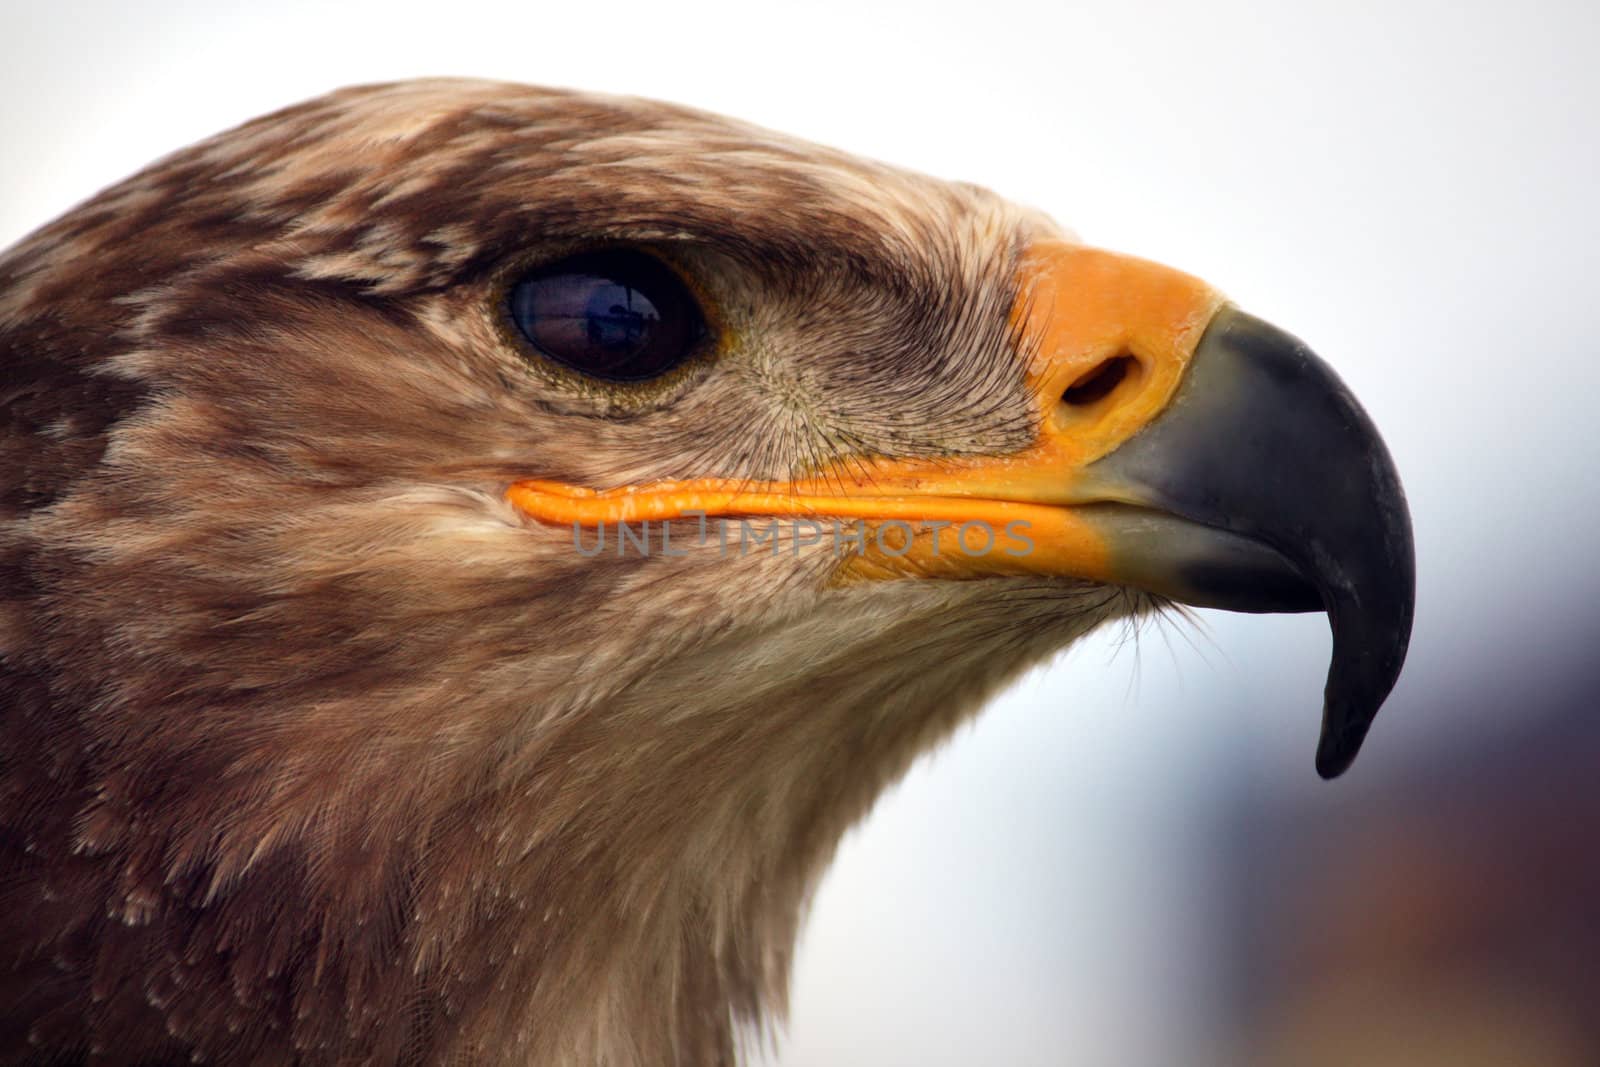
{"x":619,"y":315}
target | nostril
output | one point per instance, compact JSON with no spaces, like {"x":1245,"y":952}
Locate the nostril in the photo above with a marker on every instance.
{"x":1100,"y":382}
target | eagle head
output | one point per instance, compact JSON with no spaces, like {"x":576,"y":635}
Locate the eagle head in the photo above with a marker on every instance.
{"x":467,"y":552}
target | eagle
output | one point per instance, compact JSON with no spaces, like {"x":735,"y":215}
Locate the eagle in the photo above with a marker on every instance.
{"x":469,"y":551}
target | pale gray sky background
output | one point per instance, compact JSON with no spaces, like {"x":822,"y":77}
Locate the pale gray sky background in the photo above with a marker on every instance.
{"x":1411,"y":187}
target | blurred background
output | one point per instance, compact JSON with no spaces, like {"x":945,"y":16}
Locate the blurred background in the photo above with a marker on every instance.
{"x":1128,"y":860}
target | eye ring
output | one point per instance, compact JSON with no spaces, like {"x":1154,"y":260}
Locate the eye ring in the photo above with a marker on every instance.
{"x":618,"y":315}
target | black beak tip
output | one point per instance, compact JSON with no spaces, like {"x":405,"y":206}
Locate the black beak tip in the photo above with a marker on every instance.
{"x":1338,"y":748}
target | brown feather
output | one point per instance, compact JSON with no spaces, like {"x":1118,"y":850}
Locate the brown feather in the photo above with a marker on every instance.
{"x":313,"y":751}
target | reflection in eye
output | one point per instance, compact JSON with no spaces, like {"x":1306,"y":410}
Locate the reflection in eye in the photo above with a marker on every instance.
{"x":618,"y":315}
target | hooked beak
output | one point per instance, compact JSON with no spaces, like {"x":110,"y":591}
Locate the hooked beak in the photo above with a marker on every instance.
{"x":1185,"y":448}
{"x":1294,"y":504}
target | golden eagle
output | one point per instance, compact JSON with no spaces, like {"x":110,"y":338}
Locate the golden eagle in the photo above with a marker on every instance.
{"x":467,"y":553}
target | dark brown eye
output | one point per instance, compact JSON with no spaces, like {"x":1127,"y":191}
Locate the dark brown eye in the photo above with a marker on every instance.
{"x":619,"y":315}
